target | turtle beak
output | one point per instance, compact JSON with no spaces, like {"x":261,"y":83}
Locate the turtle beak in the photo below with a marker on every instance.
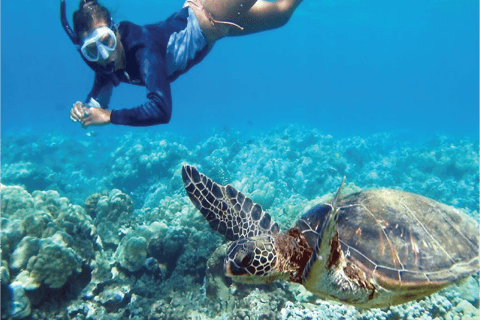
{"x":228,"y":269}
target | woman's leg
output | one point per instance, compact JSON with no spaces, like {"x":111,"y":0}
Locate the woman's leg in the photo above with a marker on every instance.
{"x":220,"y":18}
{"x":227,"y":10}
{"x":265,"y":15}
{"x":252,"y":15}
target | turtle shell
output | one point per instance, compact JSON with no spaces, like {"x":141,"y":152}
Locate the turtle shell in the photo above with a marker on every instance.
{"x":402,"y":239}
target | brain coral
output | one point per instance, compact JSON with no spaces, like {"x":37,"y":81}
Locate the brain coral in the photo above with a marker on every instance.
{"x":45,"y":241}
{"x":54,"y":263}
{"x":14,"y":199}
{"x":26,"y":248}
{"x":132,"y":252}
{"x":111,"y":212}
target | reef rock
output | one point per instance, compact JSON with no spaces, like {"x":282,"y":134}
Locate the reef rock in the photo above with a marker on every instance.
{"x":54,"y":263}
{"x":19,"y":304}
{"x":45,"y":242}
{"x":131,"y":254}
{"x":111,"y":214}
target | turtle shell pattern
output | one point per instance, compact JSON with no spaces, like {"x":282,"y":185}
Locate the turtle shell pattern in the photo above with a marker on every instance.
{"x":403,"y":239}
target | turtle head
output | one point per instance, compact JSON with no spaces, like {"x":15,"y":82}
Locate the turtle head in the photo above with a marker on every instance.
{"x":253,"y":260}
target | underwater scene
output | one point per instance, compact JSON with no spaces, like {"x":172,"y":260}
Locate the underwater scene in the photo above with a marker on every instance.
{"x":101,"y":223}
{"x":120,"y":239}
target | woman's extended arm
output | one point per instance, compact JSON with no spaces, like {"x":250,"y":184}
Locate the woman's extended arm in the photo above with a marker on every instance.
{"x":156,"y":110}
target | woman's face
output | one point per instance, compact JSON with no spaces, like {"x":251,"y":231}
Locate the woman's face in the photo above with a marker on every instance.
{"x":115,"y":55}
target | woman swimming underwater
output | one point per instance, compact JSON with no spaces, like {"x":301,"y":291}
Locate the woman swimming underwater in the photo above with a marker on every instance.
{"x":154,"y":55}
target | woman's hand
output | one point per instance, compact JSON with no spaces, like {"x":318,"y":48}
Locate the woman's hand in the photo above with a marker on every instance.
{"x":89,"y":116}
{"x":77,"y":113}
{"x":96,"y":116}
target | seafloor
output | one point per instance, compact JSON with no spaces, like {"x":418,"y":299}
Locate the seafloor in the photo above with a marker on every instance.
{"x":101,"y":228}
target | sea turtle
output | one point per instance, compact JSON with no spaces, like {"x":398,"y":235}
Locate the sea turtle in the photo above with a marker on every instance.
{"x":370,"y":249}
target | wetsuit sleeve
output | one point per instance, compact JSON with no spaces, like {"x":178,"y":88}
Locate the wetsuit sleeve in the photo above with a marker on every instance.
{"x":101,"y":92}
{"x":158,"y":108}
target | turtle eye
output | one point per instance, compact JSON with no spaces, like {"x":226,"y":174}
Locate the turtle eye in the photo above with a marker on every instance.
{"x":243,"y":259}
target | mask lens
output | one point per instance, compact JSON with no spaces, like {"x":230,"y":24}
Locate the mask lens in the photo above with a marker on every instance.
{"x":90,"y":51}
{"x":107,"y":40}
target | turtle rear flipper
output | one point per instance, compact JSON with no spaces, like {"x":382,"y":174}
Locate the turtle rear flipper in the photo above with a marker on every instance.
{"x":227,"y":210}
{"x":327,"y":247}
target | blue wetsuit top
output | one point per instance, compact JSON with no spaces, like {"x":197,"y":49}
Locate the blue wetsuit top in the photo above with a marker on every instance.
{"x":156,"y":54}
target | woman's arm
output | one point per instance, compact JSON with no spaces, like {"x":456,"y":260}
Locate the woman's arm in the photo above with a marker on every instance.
{"x":157,"y":110}
{"x":101,"y":92}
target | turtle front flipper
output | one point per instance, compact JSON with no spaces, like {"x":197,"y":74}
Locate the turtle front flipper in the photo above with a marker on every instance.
{"x":327,"y":273}
{"x":227,"y":210}
{"x":327,"y":245}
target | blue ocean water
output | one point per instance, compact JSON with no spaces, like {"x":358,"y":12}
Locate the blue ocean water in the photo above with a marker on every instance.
{"x":384,"y":93}
{"x":343,"y":67}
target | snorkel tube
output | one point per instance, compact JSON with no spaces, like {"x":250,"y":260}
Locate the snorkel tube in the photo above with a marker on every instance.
{"x":77,"y":42}
{"x":70,"y":33}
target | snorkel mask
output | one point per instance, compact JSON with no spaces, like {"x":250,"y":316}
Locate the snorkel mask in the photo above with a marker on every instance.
{"x":100,"y":43}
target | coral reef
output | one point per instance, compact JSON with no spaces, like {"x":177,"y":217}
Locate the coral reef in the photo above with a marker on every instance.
{"x":112,"y":214}
{"x":117,"y":238}
{"x":51,"y":161}
{"x":46,"y":243}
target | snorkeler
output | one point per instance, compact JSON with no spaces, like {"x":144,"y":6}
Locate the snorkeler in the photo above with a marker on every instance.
{"x":155,"y":55}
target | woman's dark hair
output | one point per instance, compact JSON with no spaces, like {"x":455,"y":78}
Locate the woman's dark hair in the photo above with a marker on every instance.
{"x":87,"y":13}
